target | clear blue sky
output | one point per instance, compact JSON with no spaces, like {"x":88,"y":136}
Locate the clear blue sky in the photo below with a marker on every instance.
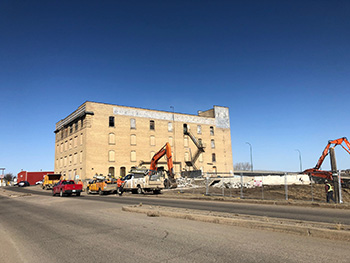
{"x":282,"y":68}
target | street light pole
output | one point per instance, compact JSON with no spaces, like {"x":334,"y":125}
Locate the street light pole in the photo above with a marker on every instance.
{"x":301,"y":165}
{"x":251,"y":156}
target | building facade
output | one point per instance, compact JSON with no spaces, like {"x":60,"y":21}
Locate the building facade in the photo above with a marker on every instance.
{"x":110,"y":139}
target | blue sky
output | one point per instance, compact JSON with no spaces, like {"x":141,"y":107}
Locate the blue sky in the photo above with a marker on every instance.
{"x":282,"y":68}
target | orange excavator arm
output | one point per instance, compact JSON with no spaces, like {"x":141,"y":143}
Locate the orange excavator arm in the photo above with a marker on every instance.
{"x":165,"y":150}
{"x":327,"y":174}
{"x":326,"y":150}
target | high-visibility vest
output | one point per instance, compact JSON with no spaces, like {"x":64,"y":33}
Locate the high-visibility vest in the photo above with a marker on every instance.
{"x":330,"y":188}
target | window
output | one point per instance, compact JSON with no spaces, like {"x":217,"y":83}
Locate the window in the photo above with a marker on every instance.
{"x":212,"y":144}
{"x":199,"y":129}
{"x":213,"y":157}
{"x":75,"y":141}
{"x":81,"y":139}
{"x":111,"y":156}
{"x":187,"y":157}
{"x":133,"y":156}
{"x":66,"y":145}
{"x":65,"y":160}
{"x":81,"y":157}
{"x":111,"y":121}
{"x":133,"y":139}
{"x":186,"y":141}
{"x":200,"y":142}
{"x":70,"y":144}
{"x":75,"y":158}
{"x":61,"y":162}
{"x":61,"y":147}
{"x":111,"y":171}
{"x":132,"y":124}
{"x":200,"y":158}
{"x":111,"y":138}
{"x":151,"y":125}
{"x":82,"y":123}
{"x":211,"y":130}
{"x":122,"y":171}
{"x":170,"y":127}
{"x":71,"y":129}
{"x":76,"y":126}
{"x":153,"y":141}
{"x":70,"y":159}
{"x":62,"y":134}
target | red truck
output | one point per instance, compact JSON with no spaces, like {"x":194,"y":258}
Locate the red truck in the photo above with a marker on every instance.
{"x":67,"y":187}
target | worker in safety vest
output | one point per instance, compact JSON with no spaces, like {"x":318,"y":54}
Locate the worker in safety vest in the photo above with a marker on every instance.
{"x":329,"y":191}
{"x":120,"y":184}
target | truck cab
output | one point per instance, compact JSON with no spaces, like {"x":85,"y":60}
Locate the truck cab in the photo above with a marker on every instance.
{"x":139,"y":181}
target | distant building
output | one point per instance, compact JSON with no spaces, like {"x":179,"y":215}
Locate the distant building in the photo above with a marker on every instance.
{"x":110,"y":139}
{"x":31,"y":177}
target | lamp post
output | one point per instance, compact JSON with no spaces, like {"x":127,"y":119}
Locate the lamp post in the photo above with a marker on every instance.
{"x":251,"y":156}
{"x":173,"y":108}
{"x":301,"y":166}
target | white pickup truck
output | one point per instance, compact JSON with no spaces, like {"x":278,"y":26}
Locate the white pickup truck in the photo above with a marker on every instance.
{"x":138,"y":181}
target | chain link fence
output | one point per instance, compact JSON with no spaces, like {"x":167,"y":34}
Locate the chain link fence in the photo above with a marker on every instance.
{"x":287,"y":186}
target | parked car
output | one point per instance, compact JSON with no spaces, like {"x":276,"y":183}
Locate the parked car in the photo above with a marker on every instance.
{"x":67,"y":187}
{"x":39,"y":182}
{"x":23,"y":184}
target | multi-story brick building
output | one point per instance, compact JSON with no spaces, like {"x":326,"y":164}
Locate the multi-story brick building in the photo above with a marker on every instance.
{"x":110,"y":139}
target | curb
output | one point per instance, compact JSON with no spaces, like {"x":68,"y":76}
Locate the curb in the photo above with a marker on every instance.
{"x":281,"y":226}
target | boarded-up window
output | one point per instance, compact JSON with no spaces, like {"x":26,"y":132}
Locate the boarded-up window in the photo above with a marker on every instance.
{"x":75,"y":141}
{"x":212,"y":144}
{"x":187,"y":157}
{"x":133,"y":156}
{"x":57,"y":163}
{"x":70,"y":143}
{"x":200,"y":158}
{"x":61,"y":162}
{"x":213,"y":157}
{"x":111,"y":156}
{"x":186,"y":141}
{"x":133,"y":139}
{"x":70,"y":159}
{"x":199,"y":129}
{"x":153,"y":141}
{"x":111,"y":138}
{"x":170,"y":126}
{"x":65,"y":160}
{"x":81,"y":157}
{"x":132,"y":124}
{"x":75,"y":158}
{"x":66,"y":145}
{"x":171,"y":141}
{"x":81,"y":139}
{"x":61,"y":147}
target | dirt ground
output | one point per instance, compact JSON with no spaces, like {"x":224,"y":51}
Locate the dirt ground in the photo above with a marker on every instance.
{"x":315,"y":193}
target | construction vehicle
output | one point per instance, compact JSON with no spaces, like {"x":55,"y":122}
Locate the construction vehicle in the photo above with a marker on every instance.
{"x":141,"y":180}
{"x":169,"y":181}
{"x":50,"y":180}
{"x":200,"y":149}
{"x":320,"y":175}
{"x":101,"y":185}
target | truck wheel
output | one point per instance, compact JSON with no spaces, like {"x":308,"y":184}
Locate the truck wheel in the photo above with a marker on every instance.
{"x":100,"y":192}
{"x":139,"y":190}
{"x":61,"y":193}
{"x":119,"y":191}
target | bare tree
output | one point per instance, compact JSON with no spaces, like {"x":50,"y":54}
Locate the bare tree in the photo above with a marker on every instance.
{"x":8,"y":177}
{"x":242,"y":167}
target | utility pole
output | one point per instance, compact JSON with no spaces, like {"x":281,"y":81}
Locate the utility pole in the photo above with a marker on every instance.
{"x":334,"y":174}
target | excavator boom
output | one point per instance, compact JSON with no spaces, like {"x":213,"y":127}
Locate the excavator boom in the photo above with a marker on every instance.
{"x":165,"y":150}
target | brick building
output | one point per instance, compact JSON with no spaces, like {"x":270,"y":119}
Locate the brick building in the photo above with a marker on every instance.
{"x":110,"y":139}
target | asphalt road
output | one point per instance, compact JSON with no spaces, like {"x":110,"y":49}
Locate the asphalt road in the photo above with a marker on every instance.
{"x":41,"y":228}
{"x":315,"y":214}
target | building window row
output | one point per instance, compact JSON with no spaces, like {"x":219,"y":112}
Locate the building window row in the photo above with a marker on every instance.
{"x":70,"y":144}
{"x":69,"y":130}
{"x":69,"y":160}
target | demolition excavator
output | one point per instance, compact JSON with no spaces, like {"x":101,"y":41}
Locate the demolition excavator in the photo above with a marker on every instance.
{"x":170,"y":181}
{"x":321,"y":174}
